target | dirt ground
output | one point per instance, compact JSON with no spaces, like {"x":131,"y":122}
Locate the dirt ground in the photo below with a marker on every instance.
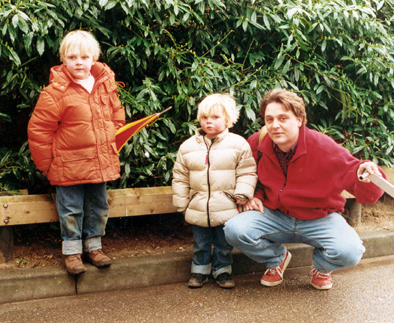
{"x":39,"y":245}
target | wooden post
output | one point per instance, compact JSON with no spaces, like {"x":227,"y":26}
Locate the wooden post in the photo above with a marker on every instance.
{"x":354,"y":207}
{"x":6,"y":241}
{"x":354,"y":212}
{"x":6,"y":244}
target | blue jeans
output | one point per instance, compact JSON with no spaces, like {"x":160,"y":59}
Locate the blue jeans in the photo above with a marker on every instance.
{"x":83,"y":214}
{"x":221,"y":259}
{"x":260,"y":237}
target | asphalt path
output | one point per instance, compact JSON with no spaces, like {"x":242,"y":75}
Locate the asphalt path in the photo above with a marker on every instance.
{"x":364,"y":293}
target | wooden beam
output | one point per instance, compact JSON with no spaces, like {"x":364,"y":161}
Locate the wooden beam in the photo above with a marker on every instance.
{"x":28,"y":209}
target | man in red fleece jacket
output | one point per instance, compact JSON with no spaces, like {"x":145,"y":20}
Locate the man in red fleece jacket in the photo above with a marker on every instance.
{"x":302,"y":174}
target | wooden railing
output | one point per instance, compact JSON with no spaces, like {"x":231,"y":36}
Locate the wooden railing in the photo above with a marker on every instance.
{"x":30,"y":209}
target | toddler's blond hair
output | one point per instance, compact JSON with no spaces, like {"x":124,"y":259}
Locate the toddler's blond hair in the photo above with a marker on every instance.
{"x":82,"y":41}
{"x":214,"y":103}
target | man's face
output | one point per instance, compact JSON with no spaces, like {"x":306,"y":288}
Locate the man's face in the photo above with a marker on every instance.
{"x":78,"y":65}
{"x":283,"y":126}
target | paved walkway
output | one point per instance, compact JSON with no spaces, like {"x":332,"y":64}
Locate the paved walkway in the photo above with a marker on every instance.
{"x":46,"y":282}
{"x":364,"y":294}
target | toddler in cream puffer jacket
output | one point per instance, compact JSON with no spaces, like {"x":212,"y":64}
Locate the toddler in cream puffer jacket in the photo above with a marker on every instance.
{"x":214,"y":174}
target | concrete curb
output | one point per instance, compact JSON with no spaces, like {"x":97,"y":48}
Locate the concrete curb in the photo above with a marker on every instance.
{"x":29,"y":284}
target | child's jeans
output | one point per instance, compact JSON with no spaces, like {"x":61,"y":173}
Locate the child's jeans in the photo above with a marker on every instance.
{"x":83,"y":214}
{"x":221,"y":259}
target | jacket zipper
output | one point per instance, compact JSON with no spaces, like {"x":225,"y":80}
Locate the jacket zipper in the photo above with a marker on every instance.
{"x":209,"y":186}
{"x":284,"y":185}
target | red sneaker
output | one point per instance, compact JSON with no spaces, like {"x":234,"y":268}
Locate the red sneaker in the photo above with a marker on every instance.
{"x":319,"y":280}
{"x":274,"y":276}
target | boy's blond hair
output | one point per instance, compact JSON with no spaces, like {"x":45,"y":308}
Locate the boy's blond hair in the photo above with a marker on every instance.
{"x":82,"y":41}
{"x":215,"y":103}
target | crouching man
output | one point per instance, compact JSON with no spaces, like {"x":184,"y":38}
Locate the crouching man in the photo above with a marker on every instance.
{"x":302,"y":174}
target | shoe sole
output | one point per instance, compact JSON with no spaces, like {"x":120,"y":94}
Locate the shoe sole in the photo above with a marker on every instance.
{"x":195,"y":285}
{"x":76,"y":272}
{"x":322,"y":287}
{"x":98,"y":265}
{"x":227,"y":286}
{"x":272,"y":284}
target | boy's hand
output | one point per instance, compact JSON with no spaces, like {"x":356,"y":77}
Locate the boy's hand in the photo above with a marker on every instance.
{"x":254,"y":204}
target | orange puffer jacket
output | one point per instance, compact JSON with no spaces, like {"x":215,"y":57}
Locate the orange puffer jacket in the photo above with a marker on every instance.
{"x":72,"y":132}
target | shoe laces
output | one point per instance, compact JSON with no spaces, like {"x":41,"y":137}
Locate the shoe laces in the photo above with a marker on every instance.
{"x":274,"y":271}
{"x":73,"y":258}
{"x":314,"y":271}
{"x":224,"y":276}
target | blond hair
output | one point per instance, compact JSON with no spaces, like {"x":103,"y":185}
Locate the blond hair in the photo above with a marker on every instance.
{"x":215,"y":103}
{"x":290,"y":100}
{"x":82,"y":41}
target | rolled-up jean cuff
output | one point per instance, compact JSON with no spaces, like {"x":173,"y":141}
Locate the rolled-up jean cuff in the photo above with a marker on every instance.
{"x":71,"y":247}
{"x":201,"y":269}
{"x":92,"y":244}
{"x":226,"y":269}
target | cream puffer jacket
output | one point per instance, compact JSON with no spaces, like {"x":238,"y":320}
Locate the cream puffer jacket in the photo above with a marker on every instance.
{"x":210,"y":175}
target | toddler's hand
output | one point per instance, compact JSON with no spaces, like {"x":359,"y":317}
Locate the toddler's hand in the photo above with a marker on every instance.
{"x":241,"y":202}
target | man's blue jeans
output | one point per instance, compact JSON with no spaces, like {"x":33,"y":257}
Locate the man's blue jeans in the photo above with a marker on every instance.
{"x":260,"y":237}
{"x":221,"y":259}
{"x":83,"y":214}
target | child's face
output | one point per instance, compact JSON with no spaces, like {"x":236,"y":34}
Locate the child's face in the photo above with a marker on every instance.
{"x":213,"y":124}
{"x":78,"y":65}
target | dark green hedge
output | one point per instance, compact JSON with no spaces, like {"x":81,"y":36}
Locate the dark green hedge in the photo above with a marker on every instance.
{"x":338,"y":55}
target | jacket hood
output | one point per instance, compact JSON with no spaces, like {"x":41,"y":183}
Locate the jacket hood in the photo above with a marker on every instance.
{"x":60,"y":78}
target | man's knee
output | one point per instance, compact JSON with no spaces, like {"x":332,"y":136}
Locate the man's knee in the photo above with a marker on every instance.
{"x":348,"y":255}
{"x":238,"y":230}
{"x":231,"y":232}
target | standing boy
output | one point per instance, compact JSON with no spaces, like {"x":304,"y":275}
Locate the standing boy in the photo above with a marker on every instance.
{"x":213,"y":174}
{"x":72,"y":141}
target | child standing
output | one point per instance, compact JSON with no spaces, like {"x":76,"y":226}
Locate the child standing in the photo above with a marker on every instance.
{"x":72,"y":141}
{"x":214,"y":171}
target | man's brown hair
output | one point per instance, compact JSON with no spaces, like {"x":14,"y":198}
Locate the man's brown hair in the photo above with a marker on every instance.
{"x":290,"y":100}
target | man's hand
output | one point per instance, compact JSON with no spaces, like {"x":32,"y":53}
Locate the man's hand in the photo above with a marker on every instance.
{"x":254,"y":204}
{"x":371,"y":168}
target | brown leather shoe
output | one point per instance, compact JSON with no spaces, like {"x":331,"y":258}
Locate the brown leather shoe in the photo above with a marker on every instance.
{"x":98,"y":258}
{"x":74,"y":265}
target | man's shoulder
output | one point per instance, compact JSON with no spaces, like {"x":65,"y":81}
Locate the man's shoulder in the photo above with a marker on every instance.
{"x":253,"y":140}
{"x":323,"y":142}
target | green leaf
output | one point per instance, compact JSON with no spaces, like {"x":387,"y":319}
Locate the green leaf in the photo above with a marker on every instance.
{"x":40,"y":46}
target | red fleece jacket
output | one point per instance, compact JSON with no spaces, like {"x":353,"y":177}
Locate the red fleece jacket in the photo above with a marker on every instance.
{"x":318,"y":173}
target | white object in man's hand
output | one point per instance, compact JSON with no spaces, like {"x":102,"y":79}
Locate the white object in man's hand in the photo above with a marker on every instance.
{"x":369,"y":167}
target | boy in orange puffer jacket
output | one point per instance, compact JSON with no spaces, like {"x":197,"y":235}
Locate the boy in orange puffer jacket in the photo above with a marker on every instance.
{"x":72,"y":141}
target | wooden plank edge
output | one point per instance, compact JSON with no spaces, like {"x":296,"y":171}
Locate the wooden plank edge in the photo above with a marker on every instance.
{"x":41,"y":208}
